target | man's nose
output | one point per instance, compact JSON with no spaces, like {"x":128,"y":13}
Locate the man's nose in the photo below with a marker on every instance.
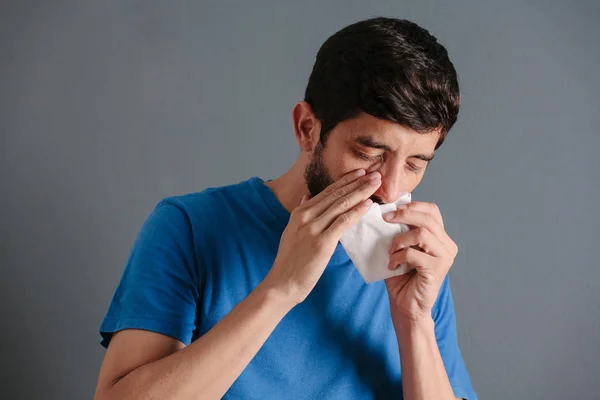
{"x":391,"y":187}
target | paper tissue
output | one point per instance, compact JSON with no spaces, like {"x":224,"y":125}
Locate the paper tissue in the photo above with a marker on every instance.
{"x":367,"y":243}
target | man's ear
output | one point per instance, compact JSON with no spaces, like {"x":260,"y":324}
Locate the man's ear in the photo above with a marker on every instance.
{"x":307,"y":127}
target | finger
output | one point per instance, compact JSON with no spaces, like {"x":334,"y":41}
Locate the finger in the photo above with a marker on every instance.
{"x":418,"y":259}
{"x":344,"y":221}
{"x":425,"y":207}
{"x":347,"y":202}
{"x":345,"y":180}
{"x":420,"y":237}
{"x":304,"y":199}
{"x":335,"y":194}
{"x":420,"y":219}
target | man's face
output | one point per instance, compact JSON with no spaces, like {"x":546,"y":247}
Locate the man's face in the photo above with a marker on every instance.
{"x":400,"y":154}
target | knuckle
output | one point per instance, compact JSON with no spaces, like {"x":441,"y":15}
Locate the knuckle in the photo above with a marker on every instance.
{"x":434,"y":207}
{"x":343,"y":203}
{"x":312,"y":230}
{"x":421,"y":234}
{"x":344,"y":219}
{"x":339,"y":192}
{"x":329,"y":190}
{"x":301,"y":216}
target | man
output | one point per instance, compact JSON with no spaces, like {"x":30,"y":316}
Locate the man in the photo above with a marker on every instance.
{"x":244,"y":292}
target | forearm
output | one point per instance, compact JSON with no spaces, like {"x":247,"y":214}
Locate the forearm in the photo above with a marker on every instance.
{"x":423,"y":372}
{"x":209,"y":366}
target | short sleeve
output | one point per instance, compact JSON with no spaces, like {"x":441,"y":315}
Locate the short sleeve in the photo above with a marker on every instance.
{"x":445,"y":332}
{"x":158,"y":290}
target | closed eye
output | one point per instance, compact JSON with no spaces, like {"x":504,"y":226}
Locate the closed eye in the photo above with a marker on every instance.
{"x":379,"y":158}
{"x":412,"y":168}
{"x":367,"y":157}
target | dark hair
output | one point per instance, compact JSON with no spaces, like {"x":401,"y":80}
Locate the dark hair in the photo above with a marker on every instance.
{"x":389,"y":68}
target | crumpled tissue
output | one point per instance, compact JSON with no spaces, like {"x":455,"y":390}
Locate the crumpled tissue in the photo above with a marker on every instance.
{"x":367,"y":243}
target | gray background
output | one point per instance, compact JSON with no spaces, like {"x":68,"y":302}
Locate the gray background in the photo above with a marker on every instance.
{"x":108,"y":106}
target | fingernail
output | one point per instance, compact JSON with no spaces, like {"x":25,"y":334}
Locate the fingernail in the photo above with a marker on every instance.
{"x":359,"y":172}
{"x":373,"y":176}
{"x":389,"y":216}
{"x":402,"y":207}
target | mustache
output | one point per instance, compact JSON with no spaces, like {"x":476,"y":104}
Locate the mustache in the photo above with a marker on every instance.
{"x":376,"y":199}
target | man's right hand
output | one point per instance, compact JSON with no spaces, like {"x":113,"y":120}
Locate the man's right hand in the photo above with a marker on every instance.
{"x":314,"y":229}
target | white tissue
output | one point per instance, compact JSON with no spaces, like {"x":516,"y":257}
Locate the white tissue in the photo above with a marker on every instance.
{"x":367,"y":243}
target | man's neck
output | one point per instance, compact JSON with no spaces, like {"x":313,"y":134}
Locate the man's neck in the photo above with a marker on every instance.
{"x":290,"y":187}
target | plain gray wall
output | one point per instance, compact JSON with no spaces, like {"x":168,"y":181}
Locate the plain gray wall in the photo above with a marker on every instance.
{"x":108,"y":106}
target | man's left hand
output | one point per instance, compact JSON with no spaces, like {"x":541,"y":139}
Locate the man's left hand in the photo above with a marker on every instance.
{"x":429,"y":249}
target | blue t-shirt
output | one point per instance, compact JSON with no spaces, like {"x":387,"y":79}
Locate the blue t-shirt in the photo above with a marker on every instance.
{"x":198,"y":255}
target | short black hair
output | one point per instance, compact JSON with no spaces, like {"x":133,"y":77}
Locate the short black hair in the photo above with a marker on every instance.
{"x":390,"y":68}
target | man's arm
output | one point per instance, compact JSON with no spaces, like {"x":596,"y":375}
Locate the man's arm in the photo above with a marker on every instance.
{"x":205,"y":369}
{"x":423,"y":372}
{"x":422,"y":337}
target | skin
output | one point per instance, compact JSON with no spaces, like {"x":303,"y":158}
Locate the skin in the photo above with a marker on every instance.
{"x":141,"y":364}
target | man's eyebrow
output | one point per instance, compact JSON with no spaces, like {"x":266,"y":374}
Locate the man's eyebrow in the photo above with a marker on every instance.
{"x":368,"y":141}
{"x":424,"y":157}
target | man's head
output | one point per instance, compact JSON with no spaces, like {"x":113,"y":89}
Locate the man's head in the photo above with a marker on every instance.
{"x":382,"y":95}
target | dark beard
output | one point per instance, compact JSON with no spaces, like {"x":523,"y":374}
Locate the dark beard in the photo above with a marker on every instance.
{"x":318,"y":177}
{"x":316,"y":174}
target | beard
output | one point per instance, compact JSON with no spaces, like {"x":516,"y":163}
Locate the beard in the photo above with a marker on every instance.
{"x":318,"y":177}
{"x":316,"y":174}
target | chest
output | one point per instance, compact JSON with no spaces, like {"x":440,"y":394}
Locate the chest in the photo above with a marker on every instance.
{"x":339,"y":340}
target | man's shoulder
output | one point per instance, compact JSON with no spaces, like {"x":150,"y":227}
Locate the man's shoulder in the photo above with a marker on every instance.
{"x":210,"y":198}
{"x":212,"y":204}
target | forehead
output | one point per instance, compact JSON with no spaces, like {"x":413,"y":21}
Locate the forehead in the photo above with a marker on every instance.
{"x":396,"y":136}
